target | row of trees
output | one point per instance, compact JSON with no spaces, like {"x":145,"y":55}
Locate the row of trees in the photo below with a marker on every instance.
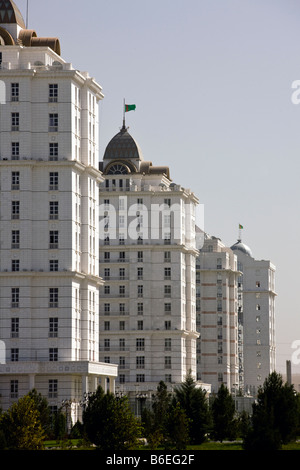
{"x":174,"y":420}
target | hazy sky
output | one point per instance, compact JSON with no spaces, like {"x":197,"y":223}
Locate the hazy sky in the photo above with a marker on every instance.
{"x":212,"y":82}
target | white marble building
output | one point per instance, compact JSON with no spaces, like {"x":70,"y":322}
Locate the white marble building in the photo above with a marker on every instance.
{"x":147,"y":259}
{"x":49,"y":189}
{"x":217,"y":303}
{"x":258,"y":316}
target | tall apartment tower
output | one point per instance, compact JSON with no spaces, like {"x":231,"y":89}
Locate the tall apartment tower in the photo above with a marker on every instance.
{"x":218,"y":347}
{"x":148,"y":254}
{"x":49,"y":188}
{"x":257,"y":283}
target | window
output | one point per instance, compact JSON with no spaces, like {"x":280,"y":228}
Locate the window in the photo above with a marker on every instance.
{"x":15,"y":265}
{"x":14,"y":388}
{"x":122,"y":362}
{"x":106,"y":344}
{"x":53,"y":181}
{"x":168,"y":362}
{"x":122,"y":291}
{"x":140,"y":290}
{"x":140,"y":256}
{"x":15,"y":210}
{"x":122,"y":309}
{"x":15,"y":297}
{"x":121,"y":239}
{"x":53,"y":239}
{"x":106,"y":256}
{"x":53,"y":210}
{"x":122,"y":378}
{"x":53,"y":92}
{"x":167,"y":256}
{"x":168,"y":378}
{"x":140,"y":378}
{"x":140,"y":273}
{"x":53,"y":122}
{"x":53,"y":265}
{"x":122,"y":257}
{"x":167,"y":239}
{"x":15,"y":327}
{"x":14,"y":91}
{"x":53,"y":354}
{"x":53,"y":297}
{"x":15,"y":150}
{"x":122,"y":344}
{"x":106,"y":290}
{"x":167,"y":325}
{"x":106,"y":326}
{"x":167,"y":291}
{"x":257,"y":283}
{"x":140,"y":362}
{"x":106,"y":241}
{"x":168,"y":344}
{"x":14,"y":355}
{"x":106,"y":309}
{"x":140,"y":308}
{"x":15,"y":122}
{"x":15,"y":239}
{"x":15,"y":180}
{"x":122,"y":273}
{"x":167,"y":202}
{"x":167,"y":272}
{"x":53,"y":152}
{"x":121,"y":325}
{"x":168,"y":307}
{"x":140,"y":344}
{"x":140,"y":325}
{"x":52,"y":388}
{"x":53,"y":327}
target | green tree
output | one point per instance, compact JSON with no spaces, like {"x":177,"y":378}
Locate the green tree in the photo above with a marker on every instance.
{"x":109,"y":422}
{"x":193,"y":401}
{"x":21,"y":426}
{"x":154,"y":420}
{"x":223,"y":415}
{"x":42,"y":406}
{"x":275,"y":418}
{"x":177,"y":428}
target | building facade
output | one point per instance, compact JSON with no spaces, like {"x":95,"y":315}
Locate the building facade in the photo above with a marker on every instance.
{"x":217,"y":306}
{"x":49,"y":257}
{"x":257,"y":283}
{"x":147,"y":260}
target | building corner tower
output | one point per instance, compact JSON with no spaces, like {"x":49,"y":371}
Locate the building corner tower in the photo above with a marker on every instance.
{"x":49,"y":257}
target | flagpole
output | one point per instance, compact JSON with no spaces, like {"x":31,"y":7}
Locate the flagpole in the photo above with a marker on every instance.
{"x":27,"y":15}
{"x":124,"y":114}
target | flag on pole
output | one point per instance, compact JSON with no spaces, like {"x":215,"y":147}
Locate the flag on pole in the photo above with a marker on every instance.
{"x":130,"y":107}
{"x":240,"y":226}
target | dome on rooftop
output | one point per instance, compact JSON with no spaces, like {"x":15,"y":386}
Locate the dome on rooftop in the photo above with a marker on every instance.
{"x":10,"y":13}
{"x":123,"y":146}
{"x":239,"y":245}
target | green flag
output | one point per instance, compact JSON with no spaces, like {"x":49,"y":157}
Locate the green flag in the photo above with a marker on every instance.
{"x":240,"y":226}
{"x":130,"y":107}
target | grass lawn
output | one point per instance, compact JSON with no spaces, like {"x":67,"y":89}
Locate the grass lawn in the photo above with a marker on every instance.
{"x":209,"y":445}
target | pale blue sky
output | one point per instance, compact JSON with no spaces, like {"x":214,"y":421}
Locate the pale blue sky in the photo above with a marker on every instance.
{"x":211,"y":80}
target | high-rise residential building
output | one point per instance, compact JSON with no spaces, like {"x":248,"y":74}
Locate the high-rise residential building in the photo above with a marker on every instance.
{"x":217,"y":306}
{"x":257,"y":283}
{"x":147,"y":259}
{"x":49,"y":219}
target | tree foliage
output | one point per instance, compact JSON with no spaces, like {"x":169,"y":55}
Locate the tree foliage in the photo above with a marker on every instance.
{"x":194,"y":402}
{"x":275,"y":418}
{"x":109,"y":422}
{"x":21,"y":427}
{"x":223,"y":415}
